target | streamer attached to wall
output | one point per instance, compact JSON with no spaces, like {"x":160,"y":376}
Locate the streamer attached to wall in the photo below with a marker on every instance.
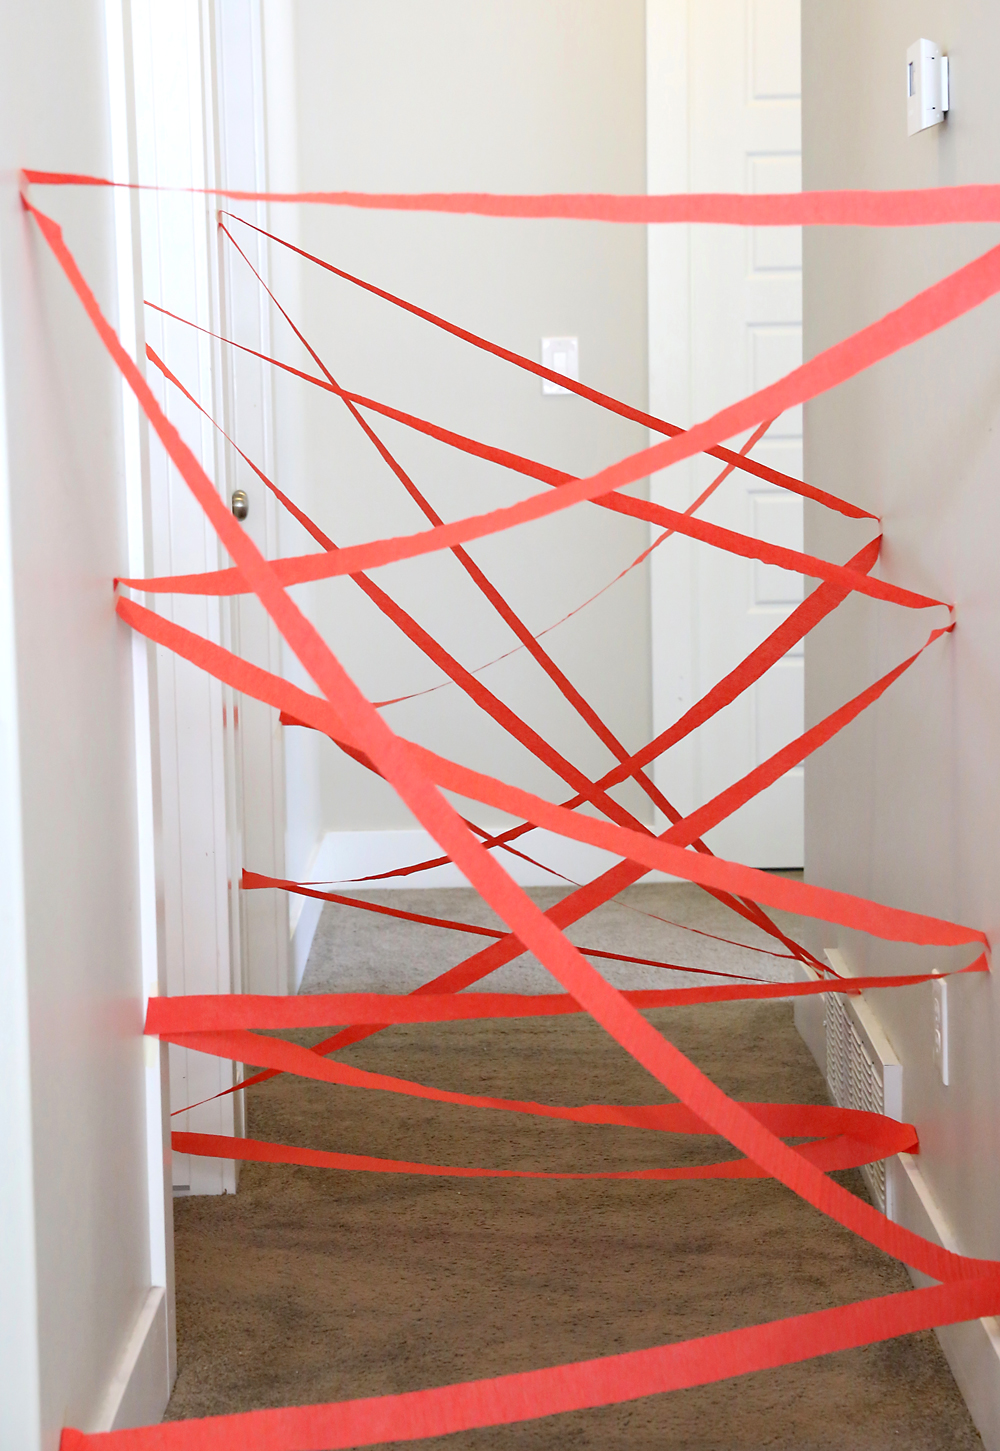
{"x":225,"y":1026}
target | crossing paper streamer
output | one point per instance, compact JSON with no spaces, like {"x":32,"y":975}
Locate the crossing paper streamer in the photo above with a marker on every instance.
{"x":229,"y":1027}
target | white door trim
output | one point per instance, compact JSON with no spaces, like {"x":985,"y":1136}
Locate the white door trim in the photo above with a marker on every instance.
{"x":173,"y":57}
{"x":150,"y":1400}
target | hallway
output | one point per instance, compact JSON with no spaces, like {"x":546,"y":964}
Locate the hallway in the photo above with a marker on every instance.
{"x":313,"y":1285}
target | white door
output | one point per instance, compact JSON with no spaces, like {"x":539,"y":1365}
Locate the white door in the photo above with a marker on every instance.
{"x":199,"y":123}
{"x":175,"y":147}
{"x":725,"y":314}
{"x":246,"y":406}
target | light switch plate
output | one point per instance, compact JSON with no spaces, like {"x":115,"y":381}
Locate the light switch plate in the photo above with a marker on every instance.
{"x":560,"y":355}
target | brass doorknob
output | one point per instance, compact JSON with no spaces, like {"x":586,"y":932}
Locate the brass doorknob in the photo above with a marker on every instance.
{"x":240,"y":503}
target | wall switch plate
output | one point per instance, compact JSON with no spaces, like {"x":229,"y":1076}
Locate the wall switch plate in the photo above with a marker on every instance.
{"x":940,"y":991}
{"x":928,"y":87}
{"x":560,"y":355}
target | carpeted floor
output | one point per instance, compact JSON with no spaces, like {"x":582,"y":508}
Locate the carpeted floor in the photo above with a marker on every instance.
{"x":355,"y":951}
{"x":311,"y":1285}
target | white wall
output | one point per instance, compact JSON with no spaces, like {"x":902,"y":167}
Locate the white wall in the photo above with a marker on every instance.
{"x":76,"y":1257}
{"x":502,"y":95}
{"x":904,"y":805}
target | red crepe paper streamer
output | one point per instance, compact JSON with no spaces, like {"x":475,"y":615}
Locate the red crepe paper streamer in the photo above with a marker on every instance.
{"x":577,"y":1386}
{"x":498,"y":711}
{"x":969,"y":1287}
{"x":931,"y":206}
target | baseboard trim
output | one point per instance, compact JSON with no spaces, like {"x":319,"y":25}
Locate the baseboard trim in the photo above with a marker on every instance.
{"x":140,"y":1387}
{"x":972,"y":1349}
{"x":343,"y":856}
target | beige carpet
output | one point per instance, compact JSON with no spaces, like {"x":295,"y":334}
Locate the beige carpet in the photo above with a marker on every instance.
{"x":355,"y":951}
{"x":312,"y":1285}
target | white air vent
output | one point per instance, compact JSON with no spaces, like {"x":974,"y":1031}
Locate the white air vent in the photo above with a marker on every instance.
{"x":862,"y":1071}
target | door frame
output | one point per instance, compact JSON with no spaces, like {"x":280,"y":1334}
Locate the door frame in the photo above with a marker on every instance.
{"x":198,"y":94}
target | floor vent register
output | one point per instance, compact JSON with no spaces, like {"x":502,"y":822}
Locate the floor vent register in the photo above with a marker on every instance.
{"x":863,"y":1072}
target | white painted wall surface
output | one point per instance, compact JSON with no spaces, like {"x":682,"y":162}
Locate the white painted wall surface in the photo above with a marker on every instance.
{"x":502,"y":95}
{"x":76,"y":1257}
{"x":904,"y":805}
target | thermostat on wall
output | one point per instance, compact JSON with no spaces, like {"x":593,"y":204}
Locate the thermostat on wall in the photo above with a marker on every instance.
{"x":927,"y":87}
